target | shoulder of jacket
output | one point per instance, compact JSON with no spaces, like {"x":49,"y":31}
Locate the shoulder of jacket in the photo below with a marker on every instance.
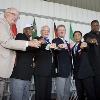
{"x":54,"y":39}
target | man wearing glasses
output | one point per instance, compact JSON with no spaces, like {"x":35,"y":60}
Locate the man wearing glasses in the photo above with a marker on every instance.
{"x":8,"y":44}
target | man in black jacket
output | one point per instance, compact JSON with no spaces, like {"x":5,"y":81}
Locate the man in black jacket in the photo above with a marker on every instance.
{"x":93,"y":40}
{"x":42,"y":70}
{"x":82,"y":69}
{"x":63,"y":64}
{"x":23,"y":70}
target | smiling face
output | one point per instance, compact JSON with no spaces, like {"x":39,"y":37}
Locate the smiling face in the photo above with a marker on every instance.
{"x":45,"y":30}
{"x":61,"y":31}
{"x":77,"y":36}
{"x":27,"y":31}
{"x":95,"y":26}
{"x":11,"y":15}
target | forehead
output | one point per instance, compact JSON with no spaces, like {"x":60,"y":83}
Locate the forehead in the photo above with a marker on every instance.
{"x":95,"y":23}
{"x":77,"y":33}
{"x":61,"y":28}
{"x":12,"y":10}
{"x":27,"y":29}
{"x":45,"y":28}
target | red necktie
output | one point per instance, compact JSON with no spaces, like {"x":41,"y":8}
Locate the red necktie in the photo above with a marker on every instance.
{"x":14,"y":30}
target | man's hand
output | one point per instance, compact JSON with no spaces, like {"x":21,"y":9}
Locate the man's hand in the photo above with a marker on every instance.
{"x":53,"y":46}
{"x":63,"y":46}
{"x":83,"y":45}
{"x":34,"y":43}
{"x":93,"y":41}
{"x":41,"y":41}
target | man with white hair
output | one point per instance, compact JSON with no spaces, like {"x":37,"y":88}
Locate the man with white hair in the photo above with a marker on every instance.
{"x":43,"y":64}
{"x":8,"y":44}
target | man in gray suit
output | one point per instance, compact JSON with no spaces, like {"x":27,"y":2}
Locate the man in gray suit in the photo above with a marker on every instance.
{"x":8,"y":44}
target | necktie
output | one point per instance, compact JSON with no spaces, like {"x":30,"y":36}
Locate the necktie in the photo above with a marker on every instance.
{"x":75,"y":48}
{"x":47,"y":40}
{"x":13,"y":30}
{"x":64,"y":41}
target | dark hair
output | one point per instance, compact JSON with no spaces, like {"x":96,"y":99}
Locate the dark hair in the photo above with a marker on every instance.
{"x":77,"y":32}
{"x":60,"y":26}
{"x":94,"y":21}
{"x":26,"y":28}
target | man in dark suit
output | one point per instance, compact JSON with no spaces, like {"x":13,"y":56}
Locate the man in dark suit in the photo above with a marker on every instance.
{"x":93,"y":40}
{"x":42,"y":70}
{"x":23,"y":70}
{"x":63,"y":64}
{"x":82,"y":70}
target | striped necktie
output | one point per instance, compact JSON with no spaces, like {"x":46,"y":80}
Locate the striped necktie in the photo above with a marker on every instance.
{"x":75,"y":48}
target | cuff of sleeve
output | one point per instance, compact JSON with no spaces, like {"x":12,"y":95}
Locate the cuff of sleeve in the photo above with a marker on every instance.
{"x":47,"y":47}
{"x":26,"y":43}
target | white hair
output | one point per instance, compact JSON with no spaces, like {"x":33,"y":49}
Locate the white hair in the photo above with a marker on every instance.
{"x":11,"y":10}
{"x":45,"y":26}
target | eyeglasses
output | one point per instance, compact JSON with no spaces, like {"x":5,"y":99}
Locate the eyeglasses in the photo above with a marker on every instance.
{"x":14,"y":14}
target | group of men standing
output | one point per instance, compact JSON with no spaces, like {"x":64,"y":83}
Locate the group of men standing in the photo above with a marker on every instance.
{"x":50,"y":58}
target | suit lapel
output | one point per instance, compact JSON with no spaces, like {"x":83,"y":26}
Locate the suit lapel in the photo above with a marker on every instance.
{"x":60,"y":40}
{"x":77,"y":51}
{"x":78,"y":48}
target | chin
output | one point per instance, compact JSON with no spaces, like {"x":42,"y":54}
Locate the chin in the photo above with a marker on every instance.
{"x":13,"y":22}
{"x":46,"y":36}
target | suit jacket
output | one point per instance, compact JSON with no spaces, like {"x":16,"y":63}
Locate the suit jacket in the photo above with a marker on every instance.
{"x":23,"y":68}
{"x":82,"y":68}
{"x":7,"y":47}
{"x":94,"y":51}
{"x":62,"y":59}
{"x":43,"y":61}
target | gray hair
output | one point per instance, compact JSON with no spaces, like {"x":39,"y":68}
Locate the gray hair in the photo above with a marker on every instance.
{"x":11,"y":10}
{"x":42,"y":28}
